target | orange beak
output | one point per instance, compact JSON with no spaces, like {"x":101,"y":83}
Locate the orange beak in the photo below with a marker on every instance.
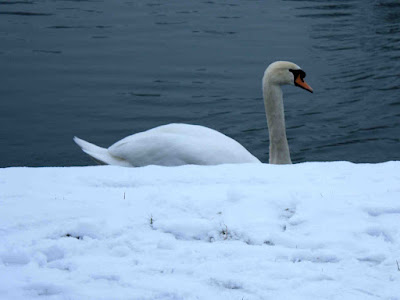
{"x":301,"y":83}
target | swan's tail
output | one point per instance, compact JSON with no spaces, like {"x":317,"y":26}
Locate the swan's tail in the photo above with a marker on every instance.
{"x":100,"y":155}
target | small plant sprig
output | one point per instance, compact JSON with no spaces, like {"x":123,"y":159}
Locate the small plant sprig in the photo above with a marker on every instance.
{"x":224,"y":232}
{"x":151,"y":221}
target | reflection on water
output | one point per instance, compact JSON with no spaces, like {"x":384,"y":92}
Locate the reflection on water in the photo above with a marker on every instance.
{"x":105,"y":69}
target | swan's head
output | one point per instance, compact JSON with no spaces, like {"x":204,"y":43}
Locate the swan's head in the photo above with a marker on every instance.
{"x":285,"y":72}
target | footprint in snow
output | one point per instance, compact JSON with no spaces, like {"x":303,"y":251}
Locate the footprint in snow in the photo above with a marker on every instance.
{"x":380,"y":233}
{"x":378,"y":211}
{"x":44,"y":289}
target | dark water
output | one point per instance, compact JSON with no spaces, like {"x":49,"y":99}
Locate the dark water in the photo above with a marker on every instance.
{"x":102,"y":70}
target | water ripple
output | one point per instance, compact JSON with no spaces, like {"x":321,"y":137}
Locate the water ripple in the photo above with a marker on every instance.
{"x":24,"y":13}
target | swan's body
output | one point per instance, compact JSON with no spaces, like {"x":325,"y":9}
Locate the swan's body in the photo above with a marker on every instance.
{"x":171,"y":145}
{"x":181,"y":144}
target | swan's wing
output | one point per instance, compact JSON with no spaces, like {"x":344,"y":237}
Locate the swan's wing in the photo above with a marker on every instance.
{"x":161,"y":149}
{"x":186,"y":130}
{"x":180,"y":144}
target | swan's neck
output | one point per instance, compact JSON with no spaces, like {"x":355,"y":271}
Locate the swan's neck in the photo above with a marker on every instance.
{"x":278,"y":144}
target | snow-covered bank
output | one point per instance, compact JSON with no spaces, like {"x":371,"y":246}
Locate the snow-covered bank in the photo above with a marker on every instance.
{"x":306,"y":231}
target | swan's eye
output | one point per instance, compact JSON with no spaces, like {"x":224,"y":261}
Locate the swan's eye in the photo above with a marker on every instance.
{"x":297,"y":73}
{"x":299,"y":80}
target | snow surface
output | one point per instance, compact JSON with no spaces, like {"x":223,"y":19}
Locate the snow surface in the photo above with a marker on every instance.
{"x":253,"y":231}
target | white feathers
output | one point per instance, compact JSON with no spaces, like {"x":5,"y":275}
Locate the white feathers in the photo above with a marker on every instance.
{"x":171,"y":145}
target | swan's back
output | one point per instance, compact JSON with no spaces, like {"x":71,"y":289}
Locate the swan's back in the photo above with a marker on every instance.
{"x":180,"y":144}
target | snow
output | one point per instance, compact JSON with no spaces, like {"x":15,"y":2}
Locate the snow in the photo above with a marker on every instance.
{"x":251,"y":231}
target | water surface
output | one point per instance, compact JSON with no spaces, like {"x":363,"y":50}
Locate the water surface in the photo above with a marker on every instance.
{"x":102,"y":70}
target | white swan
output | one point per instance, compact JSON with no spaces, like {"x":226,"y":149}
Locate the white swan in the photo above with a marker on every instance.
{"x":180,"y":144}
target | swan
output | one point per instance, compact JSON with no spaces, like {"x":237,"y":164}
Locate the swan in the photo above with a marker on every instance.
{"x":181,"y":144}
